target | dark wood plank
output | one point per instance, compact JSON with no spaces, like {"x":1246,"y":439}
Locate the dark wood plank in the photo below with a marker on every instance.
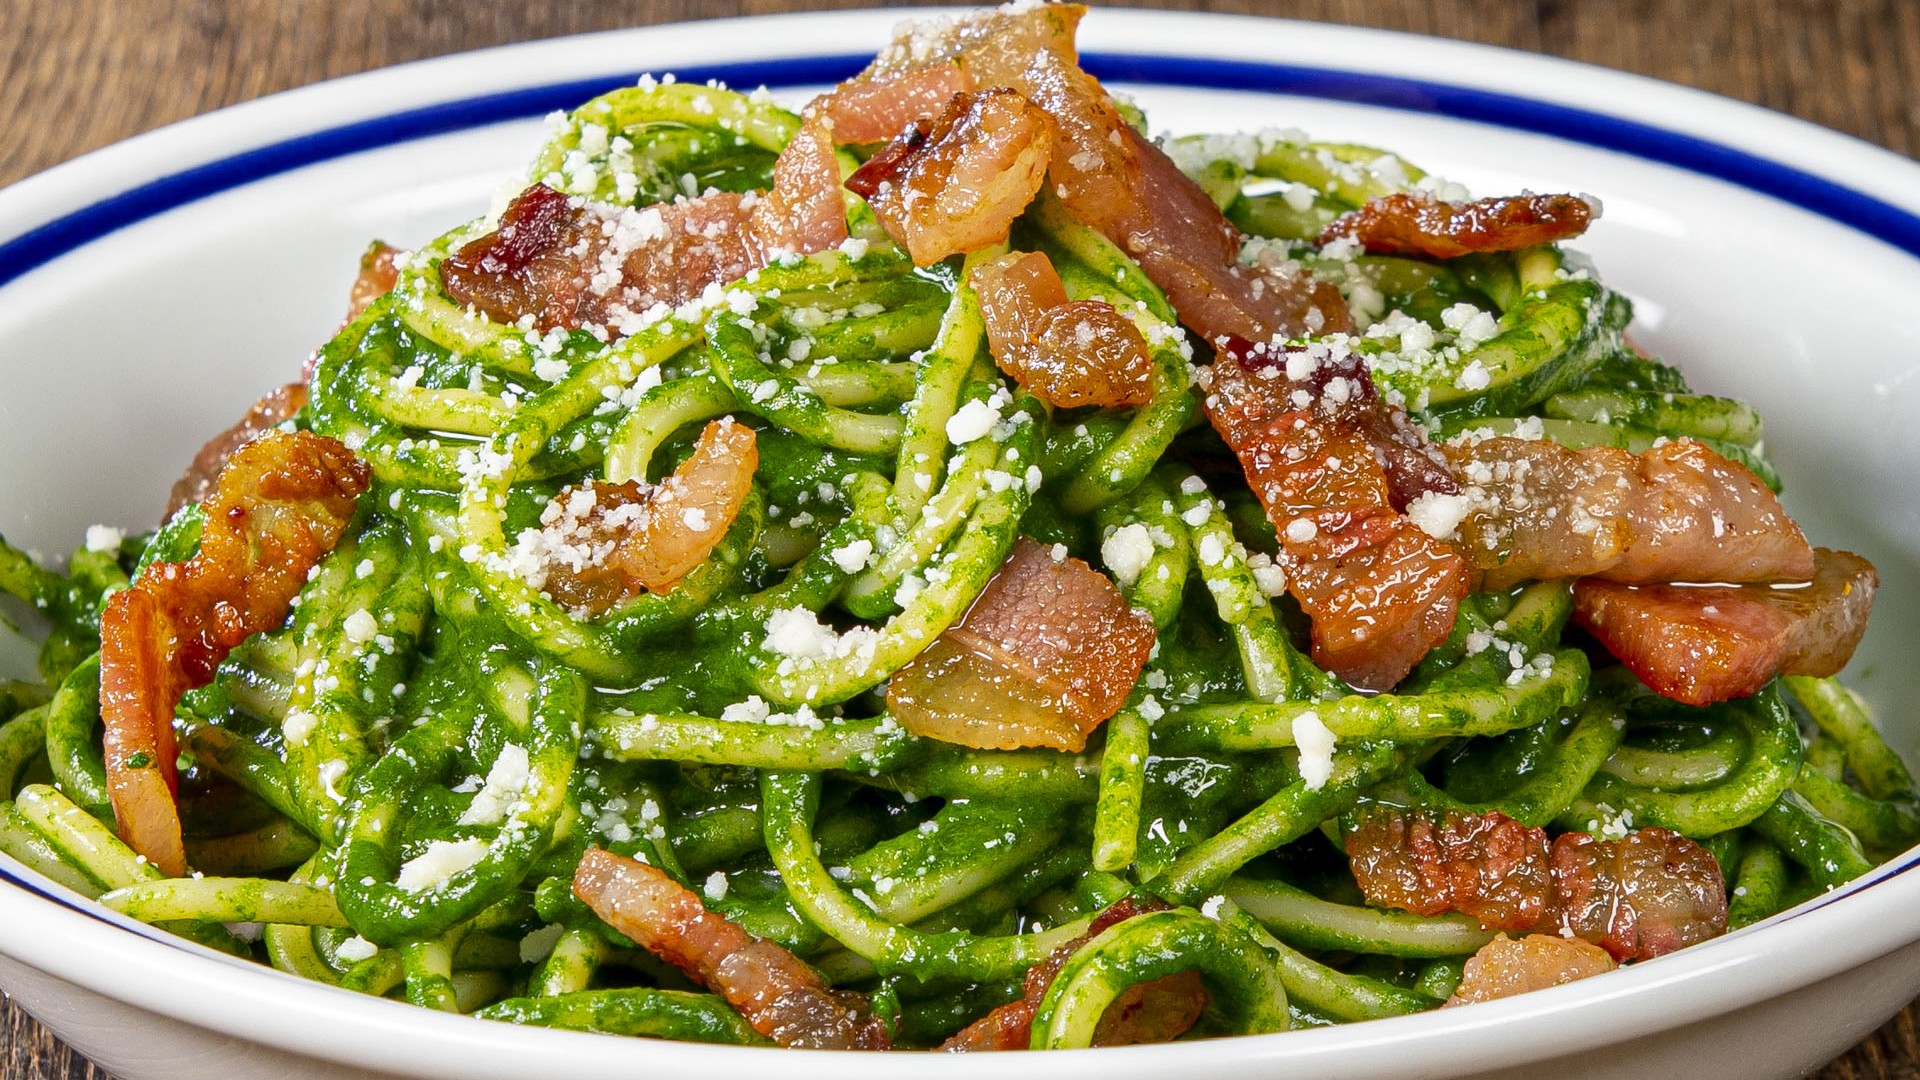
{"x":79,"y":74}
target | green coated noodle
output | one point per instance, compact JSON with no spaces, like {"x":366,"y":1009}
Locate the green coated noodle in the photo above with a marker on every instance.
{"x":73,"y":741}
{"x":22,"y":739}
{"x":790,"y":801}
{"x":659,"y":1014}
{"x":1152,"y":946}
{"x":1310,"y":922}
{"x":1772,"y":763}
{"x":388,"y":912}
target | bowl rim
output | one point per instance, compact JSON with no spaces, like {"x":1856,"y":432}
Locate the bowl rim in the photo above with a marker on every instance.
{"x":1865,"y":188}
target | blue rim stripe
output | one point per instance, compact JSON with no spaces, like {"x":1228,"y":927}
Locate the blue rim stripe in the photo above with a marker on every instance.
{"x":1834,"y":201}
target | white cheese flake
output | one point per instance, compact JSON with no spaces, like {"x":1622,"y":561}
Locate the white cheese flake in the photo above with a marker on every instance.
{"x":1127,"y":551}
{"x":438,"y":864}
{"x":505,"y":783}
{"x":1315,"y":743}
{"x":360,"y":627}
{"x":104,"y":539}
{"x":1439,"y":514}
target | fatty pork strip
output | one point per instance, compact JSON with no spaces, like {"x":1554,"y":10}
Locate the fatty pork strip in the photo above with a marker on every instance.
{"x":1643,"y":895}
{"x":278,"y":506}
{"x":1700,"y":644}
{"x":1416,"y":223}
{"x":1335,"y":466}
{"x":1112,"y":179}
{"x":600,"y":544}
{"x":565,"y":263}
{"x":956,"y":184}
{"x":1507,"y":966}
{"x":1068,"y":353}
{"x":776,"y":992}
{"x":1150,"y":1012}
{"x":1048,"y":652}
{"x":1532,"y":509}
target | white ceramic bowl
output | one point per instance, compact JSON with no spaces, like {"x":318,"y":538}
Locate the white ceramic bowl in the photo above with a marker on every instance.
{"x":148,"y":292}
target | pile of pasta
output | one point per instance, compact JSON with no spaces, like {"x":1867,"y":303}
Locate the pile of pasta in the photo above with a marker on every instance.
{"x":944,"y":569}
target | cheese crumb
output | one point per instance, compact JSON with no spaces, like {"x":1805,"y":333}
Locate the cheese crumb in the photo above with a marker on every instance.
{"x":1439,"y":514}
{"x":1127,"y":551}
{"x":852,"y":557}
{"x":438,"y":864}
{"x":360,"y":627}
{"x":1315,"y":744}
{"x":971,"y":421}
{"x":503,"y":787}
{"x":104,"y":539}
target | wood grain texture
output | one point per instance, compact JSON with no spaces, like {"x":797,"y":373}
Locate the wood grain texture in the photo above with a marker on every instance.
{"x":79,"y":74}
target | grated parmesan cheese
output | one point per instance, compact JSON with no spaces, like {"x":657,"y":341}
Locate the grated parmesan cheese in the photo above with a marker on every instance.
{"x":1315,"y":743}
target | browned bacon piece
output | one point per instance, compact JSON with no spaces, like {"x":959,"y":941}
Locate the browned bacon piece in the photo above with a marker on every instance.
{"x":1507,"y":966}
{"x":607,"y":543}
{"x":1487,"y":865}
{"x":1641,"y":896}
{"x":1048,"y":651}
{"x":773,"y":990}
{"x":567,"y":264}
{"x":1335,"y":467}
{"x":280,"y":504}
{"x":956,"y":184}
{"x":379,"y":272}
{"x":869,"y":110}
{"x":1416,"y":223}
{"x":803,"y":211}
{"x":1117,"y":182}
{"x":1677,"y":512}
{"x":263,"y":416}
{"x":527,"y":266}
{"x":1068,"y":353}
{"x":1149,"y":1012}
{"x":1701,"y":644}
{"x":1644,"y":895}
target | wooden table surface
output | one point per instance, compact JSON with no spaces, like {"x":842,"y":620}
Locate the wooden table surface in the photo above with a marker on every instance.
{"x":78,"y":74}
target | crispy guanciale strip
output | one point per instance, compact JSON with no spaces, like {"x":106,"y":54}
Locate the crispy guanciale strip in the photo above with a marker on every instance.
{"x":1068,"y":353}
{"x":1646,"y":894}
{"x":775,"y":991}
{"x":1533,"y":509}
{"x":1117,"y":182}
{"x":277,"y":407}
{"x":1151,"y":1012}
{"x":1643,"y":895}
{"x":604,"y":543}
{"x":379,"y":272}
{"x":1507,"y":966}
{"x":1049,"y":650}
{"x":568,"y":264}
{"x":955,"y":185}
{"x":1487,"y":865}
{"x":1416,"y":223}
{"x":869,"y":110}
{"x":1700,"y":644}
{"x":1334,"y":466}
{"x":280,"y":504}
